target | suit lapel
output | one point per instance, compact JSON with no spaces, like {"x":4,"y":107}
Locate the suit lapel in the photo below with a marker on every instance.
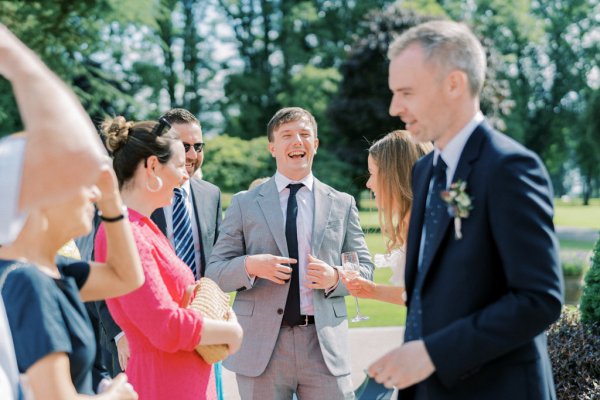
{"x":158,"y":216}
{"x":468,"y":156}
{"x":422,"y":176}
{"x":323,"y":203}
{"x":268,"y":201}
{"x":200,"y":218}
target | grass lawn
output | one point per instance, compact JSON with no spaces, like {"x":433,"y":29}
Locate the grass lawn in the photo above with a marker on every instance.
{"x":379,"y":313}
{"x":578,"y":216}
{"x":571,"y":214}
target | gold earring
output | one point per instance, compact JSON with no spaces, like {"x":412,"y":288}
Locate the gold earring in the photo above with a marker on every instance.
{"x":159,"y":185}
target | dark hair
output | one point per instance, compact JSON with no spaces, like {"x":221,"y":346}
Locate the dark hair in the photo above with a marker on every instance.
{"x":289,"y":114}
{"x":181,"y":116}
{"x":130,"y":143}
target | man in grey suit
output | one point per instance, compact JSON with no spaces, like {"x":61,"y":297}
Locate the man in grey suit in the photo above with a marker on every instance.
{"x":279,"y":247}
{"x":204,"y":204}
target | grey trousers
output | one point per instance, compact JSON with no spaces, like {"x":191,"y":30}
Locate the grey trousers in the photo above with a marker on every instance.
{"x":296,"y":366}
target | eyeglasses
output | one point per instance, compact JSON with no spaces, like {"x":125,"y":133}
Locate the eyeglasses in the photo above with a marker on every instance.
{"x":197,"y":146}
{"x":160,"y":127}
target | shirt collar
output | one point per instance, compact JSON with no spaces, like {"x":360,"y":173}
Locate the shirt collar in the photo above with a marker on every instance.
{"x":282,"y":181}
{"x":186,"y":188}
{"x":453,"y":150}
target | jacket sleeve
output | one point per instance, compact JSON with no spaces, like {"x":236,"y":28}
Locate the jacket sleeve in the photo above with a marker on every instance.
{"x":226,"y":264}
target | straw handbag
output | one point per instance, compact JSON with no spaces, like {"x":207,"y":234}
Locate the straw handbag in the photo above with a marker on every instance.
{"x":211,"y":302}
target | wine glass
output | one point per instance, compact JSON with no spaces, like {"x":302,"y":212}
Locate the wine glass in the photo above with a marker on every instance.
{"x":351,"y":267}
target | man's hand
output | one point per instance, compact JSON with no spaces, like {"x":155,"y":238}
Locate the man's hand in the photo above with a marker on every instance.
{"x":123,"y":352}
{"x":268,"y":266}
{"x":404,"y":366}
{"x":319,"y":274}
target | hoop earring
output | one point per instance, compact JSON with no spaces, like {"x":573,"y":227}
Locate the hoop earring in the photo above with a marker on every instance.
{"x":159,"y":185}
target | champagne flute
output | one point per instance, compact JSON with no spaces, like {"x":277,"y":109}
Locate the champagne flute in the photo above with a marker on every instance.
{"x":351,"y":267}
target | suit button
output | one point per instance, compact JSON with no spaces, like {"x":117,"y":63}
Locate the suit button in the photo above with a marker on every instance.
{"x":280,"y":311}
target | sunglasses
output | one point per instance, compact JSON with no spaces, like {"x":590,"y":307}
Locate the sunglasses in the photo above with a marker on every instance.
{"x":197,"y":146}
{"x":161,"y":126}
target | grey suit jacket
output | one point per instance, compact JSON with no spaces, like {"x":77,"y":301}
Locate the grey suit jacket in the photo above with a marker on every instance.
{"x":253,"y":224}
{"x":206,"y":199}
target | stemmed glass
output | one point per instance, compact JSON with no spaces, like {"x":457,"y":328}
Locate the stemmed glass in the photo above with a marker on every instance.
{"x":351,"y":267}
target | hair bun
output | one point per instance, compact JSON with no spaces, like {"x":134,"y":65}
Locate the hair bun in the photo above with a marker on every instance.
{"x":116,"y":131}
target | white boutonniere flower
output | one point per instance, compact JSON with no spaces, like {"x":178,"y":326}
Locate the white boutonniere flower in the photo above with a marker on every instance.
{"x":459,"y":203}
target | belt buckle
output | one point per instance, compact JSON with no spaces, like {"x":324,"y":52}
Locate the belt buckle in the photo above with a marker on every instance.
{"x":305,"y":321}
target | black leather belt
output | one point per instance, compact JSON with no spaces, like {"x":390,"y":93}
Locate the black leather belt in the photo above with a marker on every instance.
{"x":306,"y":320}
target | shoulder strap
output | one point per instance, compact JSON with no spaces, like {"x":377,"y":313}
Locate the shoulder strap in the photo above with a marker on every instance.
{"x":8,"y":270}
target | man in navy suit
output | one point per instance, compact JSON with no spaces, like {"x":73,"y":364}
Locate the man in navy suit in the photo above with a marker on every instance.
{"x":482,"y":277}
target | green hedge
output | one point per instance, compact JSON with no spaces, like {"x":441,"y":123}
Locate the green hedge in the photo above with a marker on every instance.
{"x":590,"y":300}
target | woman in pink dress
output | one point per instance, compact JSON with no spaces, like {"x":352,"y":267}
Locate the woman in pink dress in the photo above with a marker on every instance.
{"x":149,"y":162}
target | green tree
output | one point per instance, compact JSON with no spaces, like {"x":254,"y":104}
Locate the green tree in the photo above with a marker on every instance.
{"x":548,"y":52}
{"x":276,"y":40}
{"x":359,"y":111}
{"x":590,"y":299}
{"x":588,"y":147}
{"x":233,"y":163}
{"x":69,"y":36}
{"x":312,"y":89}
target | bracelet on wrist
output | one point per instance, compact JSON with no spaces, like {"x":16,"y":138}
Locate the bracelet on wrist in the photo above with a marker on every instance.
{"x":119,"y":217}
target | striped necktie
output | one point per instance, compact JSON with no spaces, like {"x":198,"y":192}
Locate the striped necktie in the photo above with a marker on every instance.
{"x":182,"y":231}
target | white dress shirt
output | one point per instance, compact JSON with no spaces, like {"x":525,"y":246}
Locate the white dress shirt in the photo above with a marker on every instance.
{"x":187,"y":195}
{"x":12,"y":150}
{"x":453,"y":150}
{"x":306,"y":210}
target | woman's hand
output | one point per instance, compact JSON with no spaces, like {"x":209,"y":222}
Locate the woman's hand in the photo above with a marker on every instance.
{"x":120,"y":389}
{"x":123,"y":351}
{"x":235,"y":344}
{"x":357,"y":285}
{"x":109,"y":199}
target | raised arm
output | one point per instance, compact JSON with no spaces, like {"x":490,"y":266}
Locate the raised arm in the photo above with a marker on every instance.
{"x":121,"y":272}
{"x":63,"y":151}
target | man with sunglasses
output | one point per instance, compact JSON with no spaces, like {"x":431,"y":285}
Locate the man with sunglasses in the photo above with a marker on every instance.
{"x":203,"y":199}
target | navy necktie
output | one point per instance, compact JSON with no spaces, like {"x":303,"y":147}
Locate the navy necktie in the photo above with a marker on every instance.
{"x":292,"y":306}
{"x":183,"y":238}
{"x":434,"y":212}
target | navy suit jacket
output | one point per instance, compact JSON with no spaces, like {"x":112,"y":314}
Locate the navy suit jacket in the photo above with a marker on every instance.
{"x":206,"y":199}
{"x":488,"y":297}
